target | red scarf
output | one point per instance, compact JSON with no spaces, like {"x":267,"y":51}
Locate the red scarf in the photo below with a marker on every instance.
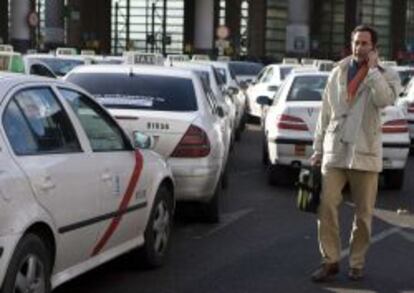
{"x":356,"y":81}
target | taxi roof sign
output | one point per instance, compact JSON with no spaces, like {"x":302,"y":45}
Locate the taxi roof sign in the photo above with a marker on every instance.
{"x":136,"y":57}
{"x":66,"y":51}
{"x":201,"y":57}
{"x":176,"y":58}
{"x":6,"y":48}
{"x":87,"y":53}
{"x":12,"y":62}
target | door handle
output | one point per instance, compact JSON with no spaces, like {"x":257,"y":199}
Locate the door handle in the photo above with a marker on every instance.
{"x":47,"y":183}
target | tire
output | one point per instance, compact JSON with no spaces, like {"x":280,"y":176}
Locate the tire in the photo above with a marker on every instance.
{"x":158,"y":232}
{"x":394,"y":179}
{"x":30,"y":255}
{"x":225,"y":178}
{"x":211,"y":209}
{"x":265,"y":152}
{"x":237,"y":136}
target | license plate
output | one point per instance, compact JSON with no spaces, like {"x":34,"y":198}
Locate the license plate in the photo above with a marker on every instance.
{"x":300,"y":150}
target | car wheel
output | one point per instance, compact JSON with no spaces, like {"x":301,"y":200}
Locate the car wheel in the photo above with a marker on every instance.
{"x":394,"y":179}
{"x":237,"y":136}
{"x":265,"y":152}
{"x":158,"y":231}
{"x":211,"y":211}
{"x":30,"y":267}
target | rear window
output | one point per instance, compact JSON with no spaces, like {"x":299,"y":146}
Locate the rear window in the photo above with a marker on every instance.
{"x":245,"y":68}
{"x":149,"y":92}
{"x":60,"y":66}
{"x":307,"y":88}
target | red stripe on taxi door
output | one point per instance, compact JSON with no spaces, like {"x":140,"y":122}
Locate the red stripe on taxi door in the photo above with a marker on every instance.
{"x":123,"y":205}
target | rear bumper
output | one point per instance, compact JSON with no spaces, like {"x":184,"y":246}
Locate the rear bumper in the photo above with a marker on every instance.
{"x":282,"y":151}
{"x":194,"y":182}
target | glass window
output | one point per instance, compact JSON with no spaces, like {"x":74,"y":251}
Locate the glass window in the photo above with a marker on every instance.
{"x":268,"y":76}
{"x":60,"y":66}
{"x":245,"y":68}
{"x":139,"y":91}
{"x":284,"y":72}
{"x":35,"y":123}
{"x":103,"y":133}
{"x":307,"y":88}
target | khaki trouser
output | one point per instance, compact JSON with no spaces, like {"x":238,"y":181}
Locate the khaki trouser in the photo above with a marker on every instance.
{"x":363,"y":187}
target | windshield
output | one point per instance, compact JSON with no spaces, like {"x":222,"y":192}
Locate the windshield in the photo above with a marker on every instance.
{"x":245,"y":68}
{"x":307,"y":88}
{"x":149,"y":92}
{"x":61,"y":66}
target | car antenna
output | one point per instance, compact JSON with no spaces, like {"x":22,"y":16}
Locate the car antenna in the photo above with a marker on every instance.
{"x":131,"y":72}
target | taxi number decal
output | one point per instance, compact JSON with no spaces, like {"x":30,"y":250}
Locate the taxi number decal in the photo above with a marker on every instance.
{"x":123,"y":205}
{"x":158,"y":126}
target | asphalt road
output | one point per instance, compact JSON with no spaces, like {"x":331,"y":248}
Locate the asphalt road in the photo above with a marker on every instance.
{"x":263,"y":244}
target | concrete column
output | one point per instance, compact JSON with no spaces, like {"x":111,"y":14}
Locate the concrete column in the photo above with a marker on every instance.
{"x":204,"y":26}
{"x":233,"y":15}
{"x":92,"y":31}
{"x":4,"y":19}
{"x":298,"y":29}
{"x":54,"y":23}
{"x":74,"y":27}
{"x":20,"y":31}
{"x":257,"y":28}
{"x":97,"y":29}
{"x":398,"y":28}
{"x":189,"y":19}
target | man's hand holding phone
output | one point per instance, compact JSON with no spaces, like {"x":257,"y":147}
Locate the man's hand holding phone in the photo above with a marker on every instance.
{"x":372,"y":58}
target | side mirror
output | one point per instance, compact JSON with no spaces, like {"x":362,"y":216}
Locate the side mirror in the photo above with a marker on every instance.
{"x":264,"y":101}
{"x":142,"y":141}
{"x":220,"y":111}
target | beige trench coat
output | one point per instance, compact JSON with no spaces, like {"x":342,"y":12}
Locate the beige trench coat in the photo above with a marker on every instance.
{"x":349,"y":135}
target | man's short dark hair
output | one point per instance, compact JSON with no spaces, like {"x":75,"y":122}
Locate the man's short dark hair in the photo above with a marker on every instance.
{"x":366,"y":28}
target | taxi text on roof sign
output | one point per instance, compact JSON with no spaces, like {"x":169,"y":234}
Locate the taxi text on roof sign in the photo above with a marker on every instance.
{"x":66,"y":51}
{"x":135,"y":57}
{"x":6,"y":48}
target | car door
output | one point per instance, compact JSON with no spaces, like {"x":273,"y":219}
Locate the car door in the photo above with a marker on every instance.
{"x":123,"y":203}
{"x":48,"y":150}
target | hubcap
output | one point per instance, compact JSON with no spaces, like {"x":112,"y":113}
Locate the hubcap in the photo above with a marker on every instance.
{"x":161,"y":227}
{"x":30,"y":276}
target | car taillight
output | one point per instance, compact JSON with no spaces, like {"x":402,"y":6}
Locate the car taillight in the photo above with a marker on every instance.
{"x":291,"y":123}
{"x":194,"y":144}
{"x":395,"y":126}
{"x":411,"y":108}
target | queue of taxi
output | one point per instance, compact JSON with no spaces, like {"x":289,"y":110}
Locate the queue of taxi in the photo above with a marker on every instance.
{"x":97,"y":150}
{"x":95,"y":156}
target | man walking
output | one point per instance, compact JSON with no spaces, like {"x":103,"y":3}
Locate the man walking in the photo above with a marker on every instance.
{"x":349,"y":147}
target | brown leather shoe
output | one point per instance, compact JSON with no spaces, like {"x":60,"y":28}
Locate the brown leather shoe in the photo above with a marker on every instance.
{"x":325,"y":273}
{"x":355,"y":274}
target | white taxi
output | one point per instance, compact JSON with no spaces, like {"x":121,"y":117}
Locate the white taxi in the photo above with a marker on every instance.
{"x":267,"y":83}
{"x":74,"y":192}
{"x":290,"y":124}
{"x":171,"y":105}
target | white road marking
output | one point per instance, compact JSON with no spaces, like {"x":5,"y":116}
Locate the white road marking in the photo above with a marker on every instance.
{"x":226,"y":220}
{"x":408,"y":236}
